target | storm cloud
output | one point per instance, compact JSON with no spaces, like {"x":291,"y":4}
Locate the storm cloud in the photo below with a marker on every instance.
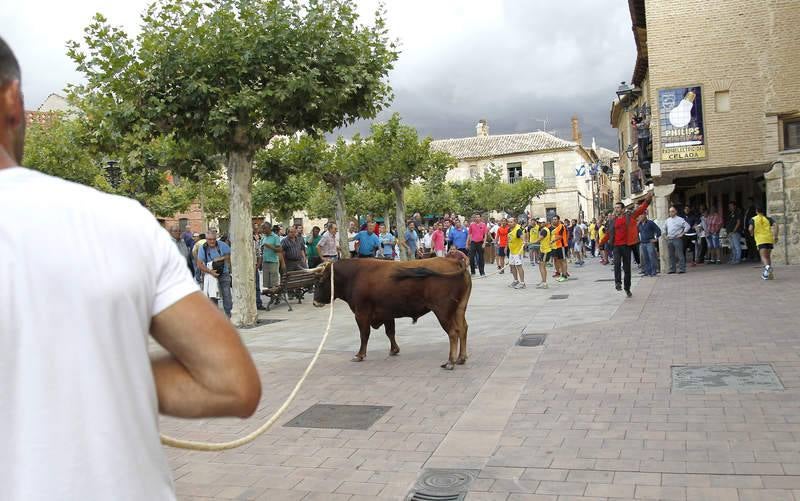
{"x":513,"y":63}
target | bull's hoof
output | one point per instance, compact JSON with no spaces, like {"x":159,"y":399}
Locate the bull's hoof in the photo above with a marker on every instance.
{"x":358,"y":358}
{"x":461,"y":361}
{"x":448,"y":366}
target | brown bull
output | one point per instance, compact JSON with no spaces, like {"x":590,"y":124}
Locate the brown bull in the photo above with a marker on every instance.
{"x":378,"y":291}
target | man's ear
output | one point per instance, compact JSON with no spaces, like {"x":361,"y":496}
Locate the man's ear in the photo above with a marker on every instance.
{"x":11,"y":106}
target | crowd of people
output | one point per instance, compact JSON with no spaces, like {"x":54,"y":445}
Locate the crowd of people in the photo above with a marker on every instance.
{"x":624,"y":237}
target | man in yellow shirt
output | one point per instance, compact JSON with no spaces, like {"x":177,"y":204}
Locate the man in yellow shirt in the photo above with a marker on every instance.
{"x":516,"y":249}
{"x":533,"y":242}
{"x":543,"y":239}
{"x":765,"y":233}
{"x":593,"y":237}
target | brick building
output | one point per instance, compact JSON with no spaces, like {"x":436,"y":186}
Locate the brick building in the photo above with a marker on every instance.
{"x":712,"y":113}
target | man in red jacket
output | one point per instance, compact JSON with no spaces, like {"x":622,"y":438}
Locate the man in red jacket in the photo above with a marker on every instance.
{"x":623,"y":233}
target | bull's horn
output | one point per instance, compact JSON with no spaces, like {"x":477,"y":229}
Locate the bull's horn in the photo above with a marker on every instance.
{"x":320,"y":268}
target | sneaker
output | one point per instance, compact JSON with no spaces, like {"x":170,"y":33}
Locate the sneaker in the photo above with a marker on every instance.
{"x":542,"y":285}
{"x":513,"y":284}
{"x":561,"y":279}
{"x":765,"y":273}
{"x":618,"y":287}
{"x":520,"y":285}
{"x":556,"y":274}
{"x":628,"y":293}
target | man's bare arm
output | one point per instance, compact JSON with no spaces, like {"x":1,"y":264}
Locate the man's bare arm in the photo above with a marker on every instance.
{"x":207,"y":372}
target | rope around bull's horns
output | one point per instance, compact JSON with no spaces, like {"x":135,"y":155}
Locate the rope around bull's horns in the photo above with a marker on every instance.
{"x":221,"y":446}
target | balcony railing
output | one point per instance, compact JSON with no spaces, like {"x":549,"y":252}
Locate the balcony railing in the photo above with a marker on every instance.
{"x":550,"y":182}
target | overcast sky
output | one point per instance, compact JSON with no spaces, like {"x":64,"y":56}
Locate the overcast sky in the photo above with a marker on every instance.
{"x":512,"y":62}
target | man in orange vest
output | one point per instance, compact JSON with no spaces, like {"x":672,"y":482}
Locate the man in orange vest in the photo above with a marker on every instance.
{"x":560,"y":239}
{"x":623,"y":233}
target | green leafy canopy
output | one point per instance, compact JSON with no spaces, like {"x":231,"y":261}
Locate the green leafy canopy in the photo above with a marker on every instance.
{"x":232,"y":74}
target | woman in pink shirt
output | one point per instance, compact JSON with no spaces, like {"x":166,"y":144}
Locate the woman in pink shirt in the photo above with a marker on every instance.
{"x":437,"y":240}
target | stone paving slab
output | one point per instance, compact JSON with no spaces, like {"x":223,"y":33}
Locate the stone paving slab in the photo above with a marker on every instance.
{"x":589,"y":415}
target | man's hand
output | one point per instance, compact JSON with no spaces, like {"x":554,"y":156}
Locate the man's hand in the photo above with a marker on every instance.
{"x":207,"y":371}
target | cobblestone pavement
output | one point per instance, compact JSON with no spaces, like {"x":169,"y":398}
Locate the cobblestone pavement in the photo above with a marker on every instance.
{"x":591,"y":414}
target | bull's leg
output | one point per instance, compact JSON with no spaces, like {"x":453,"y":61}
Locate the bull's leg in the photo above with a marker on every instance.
{"x":447,"y":324}
{"x":450,"y":364}
{"x":462,"y":338}
{"x":389,"y":327}
{"x":363,"y":328}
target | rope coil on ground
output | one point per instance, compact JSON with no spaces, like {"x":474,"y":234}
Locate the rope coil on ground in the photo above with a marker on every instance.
{"x":221,"y":446}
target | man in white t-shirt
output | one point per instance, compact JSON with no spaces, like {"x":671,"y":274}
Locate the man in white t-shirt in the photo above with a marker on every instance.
{"x":79,"y":393}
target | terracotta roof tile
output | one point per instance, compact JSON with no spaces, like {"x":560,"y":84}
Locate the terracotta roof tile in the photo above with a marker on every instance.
{"x":503,"y":144}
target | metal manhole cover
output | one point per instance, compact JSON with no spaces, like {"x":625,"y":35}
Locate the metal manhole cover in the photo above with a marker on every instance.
{"x":604,"y":280}
{"x":531,"y":340}
{"x":748,"y":378}
{"x":559,"y":296}
{"x":442,"y":484}
{"x":341,"y":417}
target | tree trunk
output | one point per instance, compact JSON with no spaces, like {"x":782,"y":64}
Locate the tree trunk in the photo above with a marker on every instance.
{"x":240,"y":177}
{"x":400,"y":215}
{"x":386,"y":221}
{"x":341,"y":220}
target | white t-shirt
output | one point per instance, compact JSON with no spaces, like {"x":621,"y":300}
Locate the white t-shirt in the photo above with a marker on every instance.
{"x":352,"y":244}
{"x":83,"y":275}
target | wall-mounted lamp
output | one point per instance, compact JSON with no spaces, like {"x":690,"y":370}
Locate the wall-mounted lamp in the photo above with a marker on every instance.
{"x":630,"y":151}
{"x":625,"y":92}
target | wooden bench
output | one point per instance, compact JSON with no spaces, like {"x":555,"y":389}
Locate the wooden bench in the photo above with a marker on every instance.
{"x":294,"y":284}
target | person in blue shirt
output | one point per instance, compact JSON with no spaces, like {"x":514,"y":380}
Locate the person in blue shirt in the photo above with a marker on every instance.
{"x":411,"y":243}
{"x":649,"y":233}
{"x":458,"y":237}
{"x":214,"y":251}
{"x":367,"y":242}
{"x":387,"y":242}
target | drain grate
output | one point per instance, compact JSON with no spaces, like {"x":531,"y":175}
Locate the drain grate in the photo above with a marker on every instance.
{"x":531,"y":340}
{"x":267,"y":321}
{"x":604,"y":280}
{"x":442,"y":484}
{"x":748,"y":378}
{"x":341,"y":417}
{"x":559,"y":296}
{"x":421,"y":496}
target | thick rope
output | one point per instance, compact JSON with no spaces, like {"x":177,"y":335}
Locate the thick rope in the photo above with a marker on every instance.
{"x":221,"y":446}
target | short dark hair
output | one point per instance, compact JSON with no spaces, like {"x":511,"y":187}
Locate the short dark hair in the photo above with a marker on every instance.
{"x":9,"y":67}
{"x":620,"y":204}
{"x":760,"y":208}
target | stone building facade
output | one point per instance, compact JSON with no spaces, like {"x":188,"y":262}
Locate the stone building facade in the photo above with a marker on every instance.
{"x":535,"y":154}
{"x":713,"y":112}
